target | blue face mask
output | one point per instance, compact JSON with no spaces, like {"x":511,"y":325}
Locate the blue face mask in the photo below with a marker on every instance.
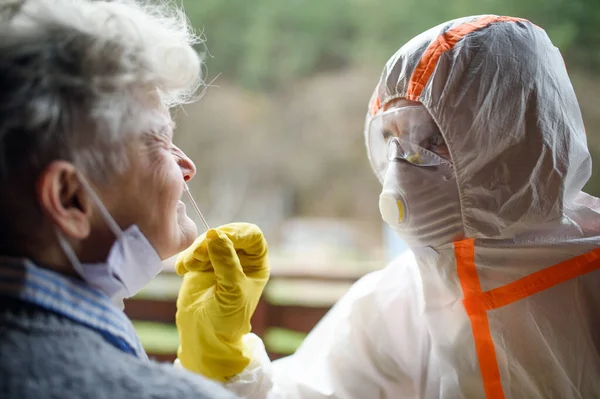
{"x":132,"y":261}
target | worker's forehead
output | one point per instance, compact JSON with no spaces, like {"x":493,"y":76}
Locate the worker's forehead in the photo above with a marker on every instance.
{"x":399,"y":102}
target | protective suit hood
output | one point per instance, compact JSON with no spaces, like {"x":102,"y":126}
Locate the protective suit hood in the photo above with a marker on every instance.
{"x":499,"y":91}
{"x":511,"y":310}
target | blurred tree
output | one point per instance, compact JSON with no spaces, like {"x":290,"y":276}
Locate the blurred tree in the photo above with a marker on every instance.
{"x":263,"y":44}
{"x":282,"y":134}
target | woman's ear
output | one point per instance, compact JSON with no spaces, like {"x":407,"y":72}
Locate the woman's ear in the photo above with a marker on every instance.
{"x":64,"y":200}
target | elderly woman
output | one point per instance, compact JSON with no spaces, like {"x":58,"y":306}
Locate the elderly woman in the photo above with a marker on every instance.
{"x":476,"y":136}
{"x":91,"y":183}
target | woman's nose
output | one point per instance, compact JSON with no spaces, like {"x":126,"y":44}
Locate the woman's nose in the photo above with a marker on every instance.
{"x":188,"y":168}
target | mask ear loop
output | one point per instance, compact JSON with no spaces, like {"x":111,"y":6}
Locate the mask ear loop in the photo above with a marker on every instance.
{"x":69,"y":252}
{"x":112,"y":224}
{"x":189,"y":194}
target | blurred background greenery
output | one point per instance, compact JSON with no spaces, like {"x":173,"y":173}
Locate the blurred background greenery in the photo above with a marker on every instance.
{"x":279,"y":133}
{"x":277,"y":137}
{"x":267,"y":44}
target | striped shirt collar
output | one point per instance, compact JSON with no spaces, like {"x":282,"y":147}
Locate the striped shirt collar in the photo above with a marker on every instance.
{"x":72,"y":298}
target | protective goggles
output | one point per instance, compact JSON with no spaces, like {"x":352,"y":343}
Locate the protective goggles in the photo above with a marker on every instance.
{"x":414,"y":133}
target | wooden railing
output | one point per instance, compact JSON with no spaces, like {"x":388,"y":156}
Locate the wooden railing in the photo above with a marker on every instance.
{"x":296,"y":317}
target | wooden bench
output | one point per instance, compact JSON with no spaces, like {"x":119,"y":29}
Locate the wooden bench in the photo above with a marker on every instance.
{"x":289,"y":316}
{"x":269,"y":314}
{"x":156,"y":311}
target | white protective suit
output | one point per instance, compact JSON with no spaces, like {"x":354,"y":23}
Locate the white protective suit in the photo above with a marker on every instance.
{"x":513,"y":309}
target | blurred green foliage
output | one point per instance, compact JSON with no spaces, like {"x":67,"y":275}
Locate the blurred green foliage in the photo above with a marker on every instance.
{"x":273,"y":47}
{"x":262,"y":44}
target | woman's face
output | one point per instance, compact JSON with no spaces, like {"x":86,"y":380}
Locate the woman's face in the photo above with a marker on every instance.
{"x":149,"y":193}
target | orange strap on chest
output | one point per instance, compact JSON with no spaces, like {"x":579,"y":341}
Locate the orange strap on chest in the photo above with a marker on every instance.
{"x":478,"y":303}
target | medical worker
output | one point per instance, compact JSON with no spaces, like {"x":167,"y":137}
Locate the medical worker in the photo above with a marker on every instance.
{"x":476,"y":135}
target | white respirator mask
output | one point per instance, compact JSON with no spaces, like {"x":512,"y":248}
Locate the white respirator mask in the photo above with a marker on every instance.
{"x":419,"y":199}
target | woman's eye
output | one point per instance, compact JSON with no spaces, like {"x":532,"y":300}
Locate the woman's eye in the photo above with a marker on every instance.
{"x":166,"y":143}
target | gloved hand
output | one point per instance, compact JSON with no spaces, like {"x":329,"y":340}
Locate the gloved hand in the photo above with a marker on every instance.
{"x":225,"y":272}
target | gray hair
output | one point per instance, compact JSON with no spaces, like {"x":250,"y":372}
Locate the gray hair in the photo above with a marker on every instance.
{"x":73,"y":76}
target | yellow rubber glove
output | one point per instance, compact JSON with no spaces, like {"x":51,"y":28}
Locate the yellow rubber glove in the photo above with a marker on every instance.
{"x":225,"y":272}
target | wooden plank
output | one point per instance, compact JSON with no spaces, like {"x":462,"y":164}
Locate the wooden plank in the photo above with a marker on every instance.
{"x":297,"y":272}
{"x":297,"y":318}
{"x":260,"y":319}
{"x":163,"y":357}
{"x":276,"y":355}
{"x":161,"y":311}
{"x":322,"y":277}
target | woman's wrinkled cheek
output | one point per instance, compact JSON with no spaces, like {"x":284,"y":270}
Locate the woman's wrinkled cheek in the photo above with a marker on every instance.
{"x":158,"y":171}
{"x":188,"y":229}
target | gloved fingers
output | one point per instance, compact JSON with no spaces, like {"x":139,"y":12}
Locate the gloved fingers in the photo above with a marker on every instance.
{"x":251,"y":246}
{"x":225,"y":262}
{"x":247,"y":238}
{"x":253,"y":269}
{"x":195,"y":286}
{"x":248,"y":241}
{"x":194,"y":258}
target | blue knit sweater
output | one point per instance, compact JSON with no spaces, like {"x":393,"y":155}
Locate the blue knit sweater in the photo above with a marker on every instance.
{"x":44,"y":354}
